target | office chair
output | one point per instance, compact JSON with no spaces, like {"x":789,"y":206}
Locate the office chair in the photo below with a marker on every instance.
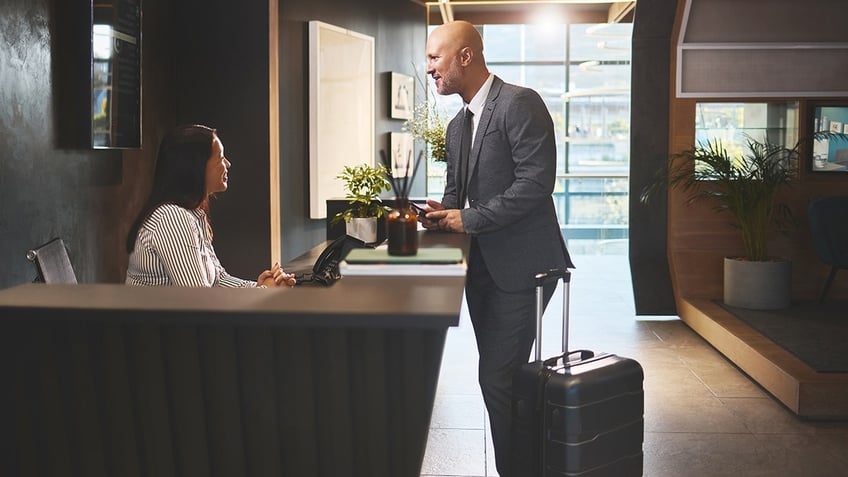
{"x":52,"y":262}
{"x":829,"y":226}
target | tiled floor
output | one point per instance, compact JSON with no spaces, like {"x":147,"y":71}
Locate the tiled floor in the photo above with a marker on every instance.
{"x":703,"y":417}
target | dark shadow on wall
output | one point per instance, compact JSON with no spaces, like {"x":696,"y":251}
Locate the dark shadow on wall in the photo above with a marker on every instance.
{"x":70,"y":58}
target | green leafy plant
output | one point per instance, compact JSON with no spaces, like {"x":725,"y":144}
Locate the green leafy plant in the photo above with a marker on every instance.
{"x":428,"y":123}
{"x":747,"y":185}
{"x":363,"y":185}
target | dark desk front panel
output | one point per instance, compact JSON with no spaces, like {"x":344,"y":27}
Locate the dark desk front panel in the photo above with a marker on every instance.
{"x":89,"y":398}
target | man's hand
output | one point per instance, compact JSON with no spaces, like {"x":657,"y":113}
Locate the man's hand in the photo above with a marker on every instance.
{"x":439,"y":218}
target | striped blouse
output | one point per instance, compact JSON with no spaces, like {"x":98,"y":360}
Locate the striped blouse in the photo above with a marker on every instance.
{"x":173,"y":247}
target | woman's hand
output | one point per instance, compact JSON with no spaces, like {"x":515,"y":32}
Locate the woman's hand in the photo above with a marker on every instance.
{"x":276,"y":277}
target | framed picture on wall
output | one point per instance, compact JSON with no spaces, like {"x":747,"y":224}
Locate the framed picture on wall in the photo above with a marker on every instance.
{"x":402,"y":95}
{"x":401,"y":144}
{"x":341,"y":109}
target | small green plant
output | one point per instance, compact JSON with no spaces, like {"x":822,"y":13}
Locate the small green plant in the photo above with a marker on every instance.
{"x":363,"y":185}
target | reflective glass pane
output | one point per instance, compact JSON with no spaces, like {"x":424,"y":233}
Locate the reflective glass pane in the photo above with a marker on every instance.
{"x":545,"y":43}
{"x":503,"y":42}
{"x":732,"y":123}
{"x":600,"y":42}
{"x":592,"y":210}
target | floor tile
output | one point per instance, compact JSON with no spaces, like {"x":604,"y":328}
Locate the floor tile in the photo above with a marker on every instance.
{"x":458,"y":411}
{"x":690,"y":415}
{"x":455,"y":452}
{"x":703,"y":416}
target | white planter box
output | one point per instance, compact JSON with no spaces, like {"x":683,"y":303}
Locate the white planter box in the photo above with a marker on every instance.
{"x":363,"y":229}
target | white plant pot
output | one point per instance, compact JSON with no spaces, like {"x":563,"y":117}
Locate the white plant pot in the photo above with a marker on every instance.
{"x":757,"y":285}
{"x":364,"y":229}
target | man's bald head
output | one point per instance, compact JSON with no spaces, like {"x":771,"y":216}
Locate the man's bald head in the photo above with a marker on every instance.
{"x":461,"y":34}
{"x":455,"y":59}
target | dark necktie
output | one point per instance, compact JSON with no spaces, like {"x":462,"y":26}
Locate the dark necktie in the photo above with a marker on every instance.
{"x":464,"y":153}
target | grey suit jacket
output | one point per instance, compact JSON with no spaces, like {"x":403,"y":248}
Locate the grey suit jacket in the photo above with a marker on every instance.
{"x":512,"y":171}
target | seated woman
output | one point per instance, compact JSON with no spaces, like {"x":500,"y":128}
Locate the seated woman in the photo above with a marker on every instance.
{"x":170,"y":242}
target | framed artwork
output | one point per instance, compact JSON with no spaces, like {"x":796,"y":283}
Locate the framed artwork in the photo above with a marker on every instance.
{"x":341,"y":109}
{"x":402,"y":93}
{"x":401,"y":145}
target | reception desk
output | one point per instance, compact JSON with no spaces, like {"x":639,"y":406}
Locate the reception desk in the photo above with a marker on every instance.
{"x":109,"y":380}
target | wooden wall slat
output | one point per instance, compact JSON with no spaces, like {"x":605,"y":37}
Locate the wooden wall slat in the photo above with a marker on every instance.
{"x":187,"y":404}
{"x":51,"y":424}
{"x":116,"y":401}
{"x":78,"y":383}
{"x":294,"y":365}
{"x":223,"y":405}
{"x":22,"y":357}
{"x":369,"y":398}
{"x":259,"y":400}
{"x":146,"y":364}
{"x":331,"y":392}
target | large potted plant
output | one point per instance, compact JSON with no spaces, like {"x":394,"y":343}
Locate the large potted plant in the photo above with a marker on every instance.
{"x":746,"y":186}
{"x":363,"y":185}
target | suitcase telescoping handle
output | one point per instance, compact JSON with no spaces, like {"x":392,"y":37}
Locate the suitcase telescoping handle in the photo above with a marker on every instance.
{"x":541,"y":279}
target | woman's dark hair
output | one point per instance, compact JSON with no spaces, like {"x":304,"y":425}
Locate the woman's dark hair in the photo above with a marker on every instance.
{"x":180,"y":176}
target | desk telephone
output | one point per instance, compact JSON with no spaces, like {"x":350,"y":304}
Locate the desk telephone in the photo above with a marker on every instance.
{"x":326,"y":268}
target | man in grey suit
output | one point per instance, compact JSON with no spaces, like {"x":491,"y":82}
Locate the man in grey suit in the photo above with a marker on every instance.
{"x":502,"y":199}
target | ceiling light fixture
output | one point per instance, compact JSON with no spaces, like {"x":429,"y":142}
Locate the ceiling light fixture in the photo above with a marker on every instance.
{"x":446,"y":10}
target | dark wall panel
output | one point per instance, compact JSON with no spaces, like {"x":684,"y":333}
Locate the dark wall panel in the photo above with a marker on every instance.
{"x":222,"y":79}
{"x":51,"y":183}
{"x":400,"y":33}
{"x":649,"y":125}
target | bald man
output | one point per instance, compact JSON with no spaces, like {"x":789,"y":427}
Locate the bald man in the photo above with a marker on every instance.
{"x":502,"y":198}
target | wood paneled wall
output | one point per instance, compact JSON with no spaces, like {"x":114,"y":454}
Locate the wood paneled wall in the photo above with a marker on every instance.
{"x":699,"y":239}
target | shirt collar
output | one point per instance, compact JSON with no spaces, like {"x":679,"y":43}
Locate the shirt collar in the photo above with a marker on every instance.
{"x":479,"y":99}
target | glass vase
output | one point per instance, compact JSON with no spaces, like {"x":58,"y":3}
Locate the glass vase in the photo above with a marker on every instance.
{"x":402,"y":229}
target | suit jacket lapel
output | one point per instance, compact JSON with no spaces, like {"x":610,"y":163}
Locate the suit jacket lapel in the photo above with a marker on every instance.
{"x":483,"y":125}
{"x":454,"y":136}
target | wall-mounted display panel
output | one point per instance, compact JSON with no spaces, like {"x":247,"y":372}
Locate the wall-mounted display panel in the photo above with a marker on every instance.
{"x":116,"y":74}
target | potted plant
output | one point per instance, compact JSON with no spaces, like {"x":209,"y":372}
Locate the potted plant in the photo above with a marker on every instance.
{"x":363,"y":185}
{"x":747,"y":186}
{"x":428,"y":124}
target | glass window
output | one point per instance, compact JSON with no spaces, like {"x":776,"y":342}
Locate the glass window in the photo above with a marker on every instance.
{"x":582,"y":72}
{"x":502,"y":42}
{"x":732,"y":123}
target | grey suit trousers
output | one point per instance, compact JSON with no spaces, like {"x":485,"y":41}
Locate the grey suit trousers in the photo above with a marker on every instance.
{"x":505,"y":327}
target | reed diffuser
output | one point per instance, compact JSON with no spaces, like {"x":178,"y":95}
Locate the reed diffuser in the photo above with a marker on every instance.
{"x":402,"y":221}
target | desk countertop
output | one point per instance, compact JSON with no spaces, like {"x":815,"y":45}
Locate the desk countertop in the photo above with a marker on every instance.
{"x":403,"y":302}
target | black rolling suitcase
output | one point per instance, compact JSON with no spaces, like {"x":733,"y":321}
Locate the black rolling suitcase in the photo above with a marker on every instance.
{"x":579,"y":413}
